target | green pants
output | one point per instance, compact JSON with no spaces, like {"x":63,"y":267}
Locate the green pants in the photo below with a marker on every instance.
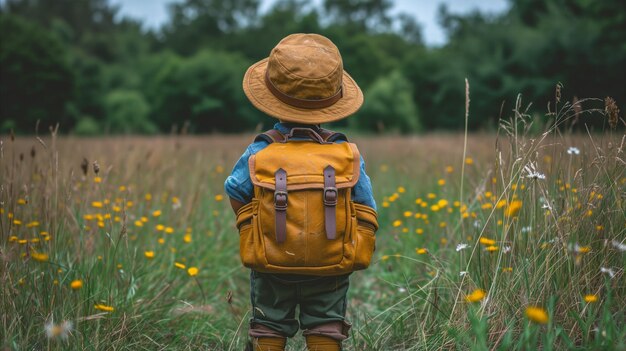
{"x":321,"y":300}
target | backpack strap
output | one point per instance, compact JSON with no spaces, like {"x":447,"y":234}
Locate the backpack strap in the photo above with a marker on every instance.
{"x":330,"y":136}
{"x":330,"y":203}
{"x":271,"y":136}
{"x":280,"y":205}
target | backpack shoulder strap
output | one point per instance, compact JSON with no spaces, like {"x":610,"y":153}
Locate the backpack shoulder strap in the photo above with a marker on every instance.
{"x":270,"y":136}
{"x":331,"y":136}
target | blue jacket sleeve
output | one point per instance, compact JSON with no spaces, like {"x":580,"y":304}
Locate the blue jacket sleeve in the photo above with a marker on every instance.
{"x":238,"y":185}
{"x":362,"y":192}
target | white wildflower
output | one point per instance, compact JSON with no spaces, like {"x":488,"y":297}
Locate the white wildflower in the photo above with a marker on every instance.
{"x":463,"y":273}
{"x":477,"y":224}
{"x":61,"y":331}
{"x":573,"y":150}
{"x":461,"y":246}
{"x":506,"y":249}
{"x":531,"y":172}
{"x":526,"y":229}
{"x":401,"y":290}
{"x":618,"y":245}
{"x":608,"y":271}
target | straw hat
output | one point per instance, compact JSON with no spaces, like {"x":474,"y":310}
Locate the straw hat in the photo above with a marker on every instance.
{"x":303,"y":81}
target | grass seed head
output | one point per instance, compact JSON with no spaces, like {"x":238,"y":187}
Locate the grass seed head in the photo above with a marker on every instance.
{"x":612,"y":111}
{"x":84,"y":166}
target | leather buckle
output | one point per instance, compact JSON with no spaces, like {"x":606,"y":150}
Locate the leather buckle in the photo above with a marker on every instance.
{"x":280,"y":200}
{"x":330,"y":196}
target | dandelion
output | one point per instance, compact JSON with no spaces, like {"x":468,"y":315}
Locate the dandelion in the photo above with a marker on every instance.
{"x":449,"y":169}
{"x":17,"y":222}
{"x":397,"y":223}
{"x":104,"y":308}
{"x":476,"y":296}
{"x":149,"y":254}
{"x":401,"y":189}
{"x":461,"y":247}
{"x":179,"y":265}
{"x":507,"y":269}
{"x":590,"y":298}
{"x":156,"y":213}
{"x":407,"y":214}
{"x":138,"y":223}
{"x":573,"y":150}
{"x":537,"y":315}
{"x":187,"y":238}
{"x":61,"y":331}
{"x":159,"y":227}
{"x":441,"y":182}
{"x":96,"y":204}
{"x":421,"y":251}
{"x":469,"y":161}
{"x":169,"y":230}
{"x":192,"y":271}
{"x":419,"y":231}
{"x":219,"y":197}
{"x":97,"y":180}
{"x":21,"y":202}
{"x":76,"y":284}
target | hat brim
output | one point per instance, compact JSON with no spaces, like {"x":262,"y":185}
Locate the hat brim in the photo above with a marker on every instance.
{"x":260,"y":96}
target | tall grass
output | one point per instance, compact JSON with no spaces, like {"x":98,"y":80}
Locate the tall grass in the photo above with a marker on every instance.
{"x":157,"y":204}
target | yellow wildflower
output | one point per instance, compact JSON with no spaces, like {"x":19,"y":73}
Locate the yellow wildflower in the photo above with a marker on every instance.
{"x":149,"y":254}
{"x":138,"y":223}
{"x":97,"y":180}
{"x":487,"y":241}
{"x":219,"y":197}
{"x":39,"y":256}
{"x":491,"y":248}
{"x":419,"y":231}
{"x":441,"y":182}
{"x":431,"y":196}
{"x":76,"y":284}
{"x":397,"y":223}
{"x":160,"y":227}
{"x":192,"y":271}
{"x":96,"y":204}
{"x":407,"y":213}
{"x":187,"y":238}
{"x":421,"y":251}
{"x":179,"y":265}
{"x":513,"y":208}
{"x":537,"y":315}
{"x":469,"y":161}
{"x":449,"y":169}
{"x":590,"y":298}
{"x":156,"y":213}
{"x":401,"y":189}
{"x":104,"y":308}
{"x":476,"y":296}
{"x":17,"y":222}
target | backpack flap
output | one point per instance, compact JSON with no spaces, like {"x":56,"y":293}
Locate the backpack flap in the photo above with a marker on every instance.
{"x":303,"y":224}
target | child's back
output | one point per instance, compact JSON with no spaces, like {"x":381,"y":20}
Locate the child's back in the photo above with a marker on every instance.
{"x":304,"y":203}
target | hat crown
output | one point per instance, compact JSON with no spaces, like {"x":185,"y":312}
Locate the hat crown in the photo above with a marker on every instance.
{"x":306,"y":66}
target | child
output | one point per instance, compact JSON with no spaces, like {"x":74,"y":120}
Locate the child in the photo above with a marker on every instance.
{"x":302,"y":84}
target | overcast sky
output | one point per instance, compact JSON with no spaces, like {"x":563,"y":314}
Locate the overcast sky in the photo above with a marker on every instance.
{"x":153,"y":12}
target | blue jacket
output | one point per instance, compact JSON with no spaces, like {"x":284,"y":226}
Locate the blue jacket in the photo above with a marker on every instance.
{"x":239,"y":185}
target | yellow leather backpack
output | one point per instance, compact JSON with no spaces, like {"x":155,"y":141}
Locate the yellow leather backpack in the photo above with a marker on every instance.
{"x":302,"y":219}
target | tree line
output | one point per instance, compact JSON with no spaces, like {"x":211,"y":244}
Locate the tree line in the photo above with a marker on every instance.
{"x":80,"y":64}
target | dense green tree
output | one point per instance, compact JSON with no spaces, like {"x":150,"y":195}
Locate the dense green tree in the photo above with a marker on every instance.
{"x":388,"y":106}
{"x":36,"y":81}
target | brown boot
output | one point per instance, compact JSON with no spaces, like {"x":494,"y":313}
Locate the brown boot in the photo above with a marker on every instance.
{"x":322,"y":343}
{"x":269,"y":344}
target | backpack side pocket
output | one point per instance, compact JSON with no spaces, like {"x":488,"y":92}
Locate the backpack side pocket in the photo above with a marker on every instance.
{"x":245,"y":220}
{"x":364,"y":238}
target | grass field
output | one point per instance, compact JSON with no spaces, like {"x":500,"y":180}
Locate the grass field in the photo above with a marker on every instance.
{"x":129,"y":243}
